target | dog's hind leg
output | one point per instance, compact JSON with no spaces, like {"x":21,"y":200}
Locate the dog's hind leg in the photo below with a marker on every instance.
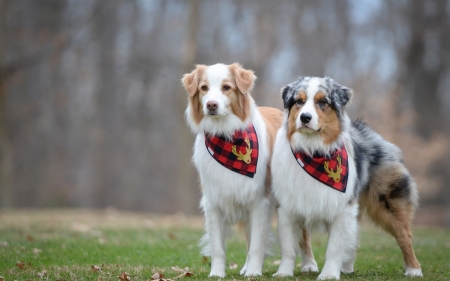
{"x":349,"y":265}
{"x":391,"y":201}
{"x":308,"y":262}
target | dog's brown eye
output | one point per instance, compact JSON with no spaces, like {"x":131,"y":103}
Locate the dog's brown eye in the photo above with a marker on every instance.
{"x":322,"y":102}
{"x":204,"y":88}
{"x":226,"y":88}
{"x":299,"y":102}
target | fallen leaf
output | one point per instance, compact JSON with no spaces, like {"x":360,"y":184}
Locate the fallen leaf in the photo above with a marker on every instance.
{"x":232,"y":265}
{"x":171,"y":236}
{"x":20,"y":264}
{"x":184,"y":274}
{"x":36,"y":251}
{"x":30,"y":238}
{"x":177,"y":269}
{"x":29,"y":264}
{"x":42,"y":274}
{"x":124,"y":276}
{"x":95,"y":268}
{"x":276,"y":262}
{"x":205,"y":259}
{"x":157,"y":276}
{"x":1,"y":278}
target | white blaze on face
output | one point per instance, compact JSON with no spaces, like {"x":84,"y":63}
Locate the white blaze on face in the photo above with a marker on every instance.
{"x":309,"y":106}
{"x":215,"y":75}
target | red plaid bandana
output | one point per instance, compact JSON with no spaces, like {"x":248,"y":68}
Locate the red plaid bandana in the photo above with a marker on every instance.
{"x":239,"y":155}
{"x":331,"y":171}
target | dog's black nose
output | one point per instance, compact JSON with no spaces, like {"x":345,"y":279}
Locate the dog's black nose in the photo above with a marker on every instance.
{"x":305,"y":118}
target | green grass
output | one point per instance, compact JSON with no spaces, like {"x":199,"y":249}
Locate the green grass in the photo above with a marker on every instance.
{"x":65,"y":244}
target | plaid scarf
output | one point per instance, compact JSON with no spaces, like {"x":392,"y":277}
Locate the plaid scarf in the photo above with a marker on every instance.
{"x":239,"y":155}
{"x":332,"y":171}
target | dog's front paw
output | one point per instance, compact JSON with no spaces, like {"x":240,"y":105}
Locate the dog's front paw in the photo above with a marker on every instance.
{"x":328,"y":276}
{"x":413,"y":272}
{"x":243,"y":270}
{"x":347,"y":268}
{"x":251,"y":273}
{"x":216,"y":274}
{"x":283,"y":274}
{"x":310,"y":267}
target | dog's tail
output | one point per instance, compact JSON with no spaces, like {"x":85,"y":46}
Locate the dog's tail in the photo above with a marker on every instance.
{"x":205,"y":243}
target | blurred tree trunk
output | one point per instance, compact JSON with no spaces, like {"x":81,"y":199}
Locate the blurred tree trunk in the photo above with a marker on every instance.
{"x":5,"y":179}
{"x":186,"y":182}
{"x":106,"y":30}
{"x":427,"y":59}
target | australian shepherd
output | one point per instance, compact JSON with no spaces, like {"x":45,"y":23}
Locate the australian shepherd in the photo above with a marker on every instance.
{"x":232,"y":153}
{"x":327,"y":171}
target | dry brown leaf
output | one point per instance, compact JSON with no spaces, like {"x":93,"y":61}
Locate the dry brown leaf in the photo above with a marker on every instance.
{"x":29,"y":264}
{"x":184,"y":272}
{"x":42,"y":274}
{"x":20,"y":264}
{"x":30,"y":238}
{"x":36,"y":251}
{"x":232,"y":265}
{"x":276,"y":262}
{"x":157,"y":276}
{"x":2,"y":278}
{"x":177,"y":269}
{"x":124,"y":276}
{"x":95,"y":268}
{"x":171,"y":236}
{"x":205,"y":260}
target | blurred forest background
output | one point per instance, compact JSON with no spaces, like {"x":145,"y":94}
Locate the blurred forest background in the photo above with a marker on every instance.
{"x":91,"y":104}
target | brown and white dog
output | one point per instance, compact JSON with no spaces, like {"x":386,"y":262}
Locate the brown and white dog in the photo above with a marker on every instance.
{"x":232,"y":154}
{"x":327,"y":171}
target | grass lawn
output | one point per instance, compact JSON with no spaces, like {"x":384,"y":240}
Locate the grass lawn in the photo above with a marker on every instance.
{"x":65,"y":244}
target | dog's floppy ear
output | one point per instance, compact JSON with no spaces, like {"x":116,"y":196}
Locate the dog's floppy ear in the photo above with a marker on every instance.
{"x":245,"y":79}
{"x":340,"y":95}
{"x":287,"y":96}
{"x":190,"y":80}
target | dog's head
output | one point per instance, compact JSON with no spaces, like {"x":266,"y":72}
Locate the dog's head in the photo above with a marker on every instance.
{"x":315,"y":107}
{"x":218,"y":94}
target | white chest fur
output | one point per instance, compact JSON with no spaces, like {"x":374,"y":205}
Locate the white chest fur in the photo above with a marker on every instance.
{"x":301,"y":194}
{"x":225,"y":189}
